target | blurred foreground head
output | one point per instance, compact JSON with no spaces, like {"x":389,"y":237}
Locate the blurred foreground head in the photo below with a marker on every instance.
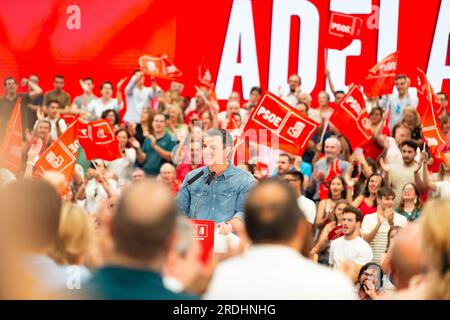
{"x":29,"y":214}
{"x":272,"y":215}
{"x":436,"y":247}
{"x":144,"y":223}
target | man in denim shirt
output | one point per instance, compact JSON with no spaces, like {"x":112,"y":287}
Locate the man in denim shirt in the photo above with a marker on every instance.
{"x":218,"y":190}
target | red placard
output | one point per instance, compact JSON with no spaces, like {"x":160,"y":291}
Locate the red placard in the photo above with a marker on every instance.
{"x":204,"y":233}
{"x":11,"y":148}
{"x":381,"y":77}
{"x":276,"y":124}
{"x":342,"y":30}
{"x":98,"y":140}
{"x":159,"y":67}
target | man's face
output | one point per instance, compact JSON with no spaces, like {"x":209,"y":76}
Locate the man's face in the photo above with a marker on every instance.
{"x":34,"y":79}
{"x":53,"y":110}
{"x":408,"y":154}
{"x":401,"y":85}
{"x":294,"y":83}
{"x":283,"y":165}
{"x":196,"y":152}
{"x":305,"y":98}
{"x":386,"y":202}
{"x":159,"y":123}
{"x":167,"y":174}
{"x":107,"y":90}
{"x":234,"y":96}
{"x":339,"y":97}
{"x":443,"y":100}
{"x":375,"y":116}
{"x":58,"y":83}
{"x":233,"y":107}
{"x":254,"y":96}
{"x":11,"y":86}
{"x":349,"y":223}
{"x":214,"y":151}
{"x":402,"y":134}
{"x":368,"y":275}
{"x":331,"y":149}
{"x":138,"y":175}
{"x":90,"y":85}
{"x":43,"y":130}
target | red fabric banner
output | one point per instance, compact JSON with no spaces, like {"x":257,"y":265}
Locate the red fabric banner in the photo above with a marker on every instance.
{"x":159,"y":67}
{"x":427,"y":109}
{"x":61,"y":156}
{"x":98,"y":140}
{"x":276,"y":124}
{"x":381,"y":77}
{"x":350,"y":117}
{"x":342,"y":30}
{"x":11,"y":148}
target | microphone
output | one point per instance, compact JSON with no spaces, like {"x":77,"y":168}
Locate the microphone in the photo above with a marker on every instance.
{"x":210,"y":177}
{"x":195,"y":178}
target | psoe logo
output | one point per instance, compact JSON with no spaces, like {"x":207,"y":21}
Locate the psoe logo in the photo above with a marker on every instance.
{"x":296,"y":130}
{"x":54,"y":160}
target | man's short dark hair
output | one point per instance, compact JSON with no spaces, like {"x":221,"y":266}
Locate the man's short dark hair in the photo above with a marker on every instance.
{"x":32,"y":208}
{"x":44,"y":121}
{"x":410,"y":143}
{"x":297,"y":175}
{"x":401,"y":76}
{"x":88,"y":79}
{"x":274,"y":224}
{"x":142,"y":240}
{"x":8,"y":78}
{"x":287,"y":155}
{"x":396,"y":127}
{"x":106,"y":82}
{"x":357,"y":212}
{"x":227,"y":139}
{"x":256,"y":89}
{"x":385,"y":192}
{"x":339,"y":92}
{"x":59,"y":76}
{"x":53,"y":101}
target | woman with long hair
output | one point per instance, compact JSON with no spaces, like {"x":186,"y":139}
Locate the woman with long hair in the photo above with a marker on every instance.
{"x":367,"y":201}
{"x":410,"y":204}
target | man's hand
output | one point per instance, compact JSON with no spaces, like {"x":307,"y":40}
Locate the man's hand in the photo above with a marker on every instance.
{"x":152,"y":139}
{"x":320,"y":176}
{"x":369,"y":289}
{"x":384,"y":166}
{"x":224,"y":228}
{"x":389,"y":214}
{"x":134,"y":143}
{"x":381,"y":218}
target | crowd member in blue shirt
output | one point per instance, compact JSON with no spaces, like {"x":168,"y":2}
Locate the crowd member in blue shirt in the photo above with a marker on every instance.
{"x":157,"y":147}
{"x":218,"y":190}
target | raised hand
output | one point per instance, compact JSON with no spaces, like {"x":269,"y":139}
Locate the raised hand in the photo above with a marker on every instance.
{"x":384,"y":166}
{"x":34,"y":150}
{"x":121,"y":82}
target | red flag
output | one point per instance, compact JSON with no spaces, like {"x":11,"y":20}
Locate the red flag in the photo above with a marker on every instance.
{"x":324,"y":188}
{"x":351,"y":118}
{"x":262,"y":168}
{"x":61,"y":156}
{"x":68,"y":118}
{"x":204,"y":77}
{"x":381,"y":77}
{"x":98,"y":140}
{"x":276,"y":124}
{"x":232,"y":124}
{"x":427,"y":109}
{"x":11,"y":149}
{"x":159,"y":67}
{"x":342,"y":30}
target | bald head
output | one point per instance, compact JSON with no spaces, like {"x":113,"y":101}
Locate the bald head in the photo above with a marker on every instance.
{"x":272,"y":214}
{"x":407,"y":258}
{"x":332,"y":147}
{"x":144,"y":221}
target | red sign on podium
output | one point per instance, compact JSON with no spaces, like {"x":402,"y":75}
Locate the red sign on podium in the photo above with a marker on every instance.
{"x":204,"y":233}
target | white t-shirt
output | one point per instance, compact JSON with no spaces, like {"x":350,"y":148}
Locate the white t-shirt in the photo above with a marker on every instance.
{"x":379,"y":242}
{"x":357,"y":251}
{"x":96,"y":107}
{"x":443,"y":189}
{"x":308,"y":208}
{"x":123,"y":167}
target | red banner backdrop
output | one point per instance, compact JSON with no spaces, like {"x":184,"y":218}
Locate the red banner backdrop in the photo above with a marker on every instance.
{"x":104,"y":39}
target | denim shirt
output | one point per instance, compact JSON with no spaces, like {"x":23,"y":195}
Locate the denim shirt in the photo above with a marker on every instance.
{"x":223,"y":199}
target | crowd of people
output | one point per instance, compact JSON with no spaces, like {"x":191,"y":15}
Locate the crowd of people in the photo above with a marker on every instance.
{"x":333,"y":223}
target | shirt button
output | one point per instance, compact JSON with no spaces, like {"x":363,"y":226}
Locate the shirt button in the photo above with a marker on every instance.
{"x":214,"y":196}
{"x":212,"y":209}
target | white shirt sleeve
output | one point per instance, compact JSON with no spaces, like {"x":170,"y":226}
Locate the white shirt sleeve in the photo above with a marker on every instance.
{"x":331,"y":260}
{"x":364,"y":254}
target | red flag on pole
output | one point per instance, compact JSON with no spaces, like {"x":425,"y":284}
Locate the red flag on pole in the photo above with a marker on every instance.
{"x":381,"y":77}
{"x":276,"y":124}
{"x":342,"y":30}
{"x":61,"y":156}
{"x":11,"y":148}
{"x":98,"y":140}
{"x":350,"y":117}
{"x":159,"y":67}
{"x":427,"y":109}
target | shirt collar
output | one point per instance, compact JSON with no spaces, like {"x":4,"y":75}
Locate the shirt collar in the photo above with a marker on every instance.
{"x":229,"y":172}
